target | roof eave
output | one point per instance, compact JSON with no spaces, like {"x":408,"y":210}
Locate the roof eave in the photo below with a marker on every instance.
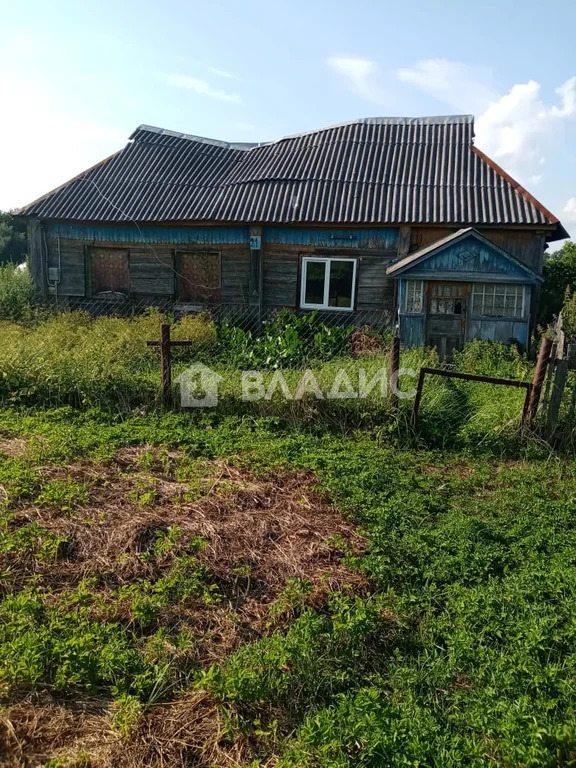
{"x":560,"y":233}
{"x":23,"y":210}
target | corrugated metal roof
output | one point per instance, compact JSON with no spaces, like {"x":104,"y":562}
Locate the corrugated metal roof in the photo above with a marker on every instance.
{"x":370,"y":171}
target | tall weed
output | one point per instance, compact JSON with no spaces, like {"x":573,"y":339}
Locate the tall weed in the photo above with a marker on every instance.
{"x":16,"y":293}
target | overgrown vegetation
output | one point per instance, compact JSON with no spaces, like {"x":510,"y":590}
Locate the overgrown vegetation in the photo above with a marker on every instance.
{"x":73,"y":359}
{"x":16,"y":293}
{"x":12,"y":240}
{"x":234,"y":617}
{"x":299,"y":582}
{"x":285,"y":341}
{"x":559,"y":276}
{"x":569,"y":316}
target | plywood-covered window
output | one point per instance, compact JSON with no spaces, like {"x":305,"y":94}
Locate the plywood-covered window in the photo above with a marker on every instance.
{"x":414,"y":296}
{"x":498,"y":300}
{"x":199,"y":276}
{"x":328,"y":283}
{"x":110,"y":270}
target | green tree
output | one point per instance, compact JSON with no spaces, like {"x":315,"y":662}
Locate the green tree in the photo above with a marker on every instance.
{"x":12,"y":239}
{"x":559,"y":275}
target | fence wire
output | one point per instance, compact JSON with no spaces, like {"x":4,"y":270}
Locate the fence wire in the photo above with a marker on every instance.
{"x":93,"y":353}
{"x":241,"y":333}
{"x":244,"y":315}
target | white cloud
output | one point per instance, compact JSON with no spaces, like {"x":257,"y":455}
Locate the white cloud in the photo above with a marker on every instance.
{"x":223,"y":73}
{"x":569,"y":210}
{"x":519,"y":129}
{"x":567,"y":93}
{"x":361,"y":75}
{"x":461,"y":86}
{"x":49,"y":145}
{"x":201,"y":87}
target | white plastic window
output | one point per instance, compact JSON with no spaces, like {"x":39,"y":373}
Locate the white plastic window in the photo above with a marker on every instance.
{"x":328,"y":283}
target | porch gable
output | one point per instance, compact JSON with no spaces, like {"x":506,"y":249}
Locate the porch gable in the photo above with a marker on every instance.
{"x":465,"y":255}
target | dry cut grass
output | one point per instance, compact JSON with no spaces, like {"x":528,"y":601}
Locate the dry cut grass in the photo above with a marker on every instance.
{"x":258,"y":534}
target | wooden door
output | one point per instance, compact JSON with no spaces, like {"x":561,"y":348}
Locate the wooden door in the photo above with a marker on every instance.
{"x":446,"y":316}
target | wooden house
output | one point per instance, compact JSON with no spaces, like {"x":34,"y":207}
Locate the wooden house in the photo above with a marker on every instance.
{"x":403,"y":215}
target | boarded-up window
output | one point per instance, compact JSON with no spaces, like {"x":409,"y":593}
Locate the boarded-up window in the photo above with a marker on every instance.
{"x":110,"y":270}
{"x":199,"y":276}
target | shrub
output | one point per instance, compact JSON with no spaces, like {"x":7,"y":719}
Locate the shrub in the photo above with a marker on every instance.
{"x":492,"y":358}
{"x":559,"y":275}
{"x":569,"y":316}
{"x":200,"y":329}
{"x":286,"y":340}
{"x":16,"y":293}
{"x":72,"y":359}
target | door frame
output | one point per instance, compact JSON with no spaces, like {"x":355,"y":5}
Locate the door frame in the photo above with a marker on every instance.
{"x":467,"y":287}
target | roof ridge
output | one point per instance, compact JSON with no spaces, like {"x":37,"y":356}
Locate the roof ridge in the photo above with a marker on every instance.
{"x":193,"y":137}
{"x":464,"y":119}
{"x":418,"y":171}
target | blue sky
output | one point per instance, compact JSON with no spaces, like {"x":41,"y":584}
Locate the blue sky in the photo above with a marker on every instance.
{"x":78,"y":77}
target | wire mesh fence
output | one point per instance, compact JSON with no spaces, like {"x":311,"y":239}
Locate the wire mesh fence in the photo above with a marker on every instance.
{"x":244,"y":333}
{"x":246,"y":315}
{"x":95,"y":353}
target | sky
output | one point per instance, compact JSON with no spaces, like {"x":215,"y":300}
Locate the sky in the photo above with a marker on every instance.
{"x":76,"y":78}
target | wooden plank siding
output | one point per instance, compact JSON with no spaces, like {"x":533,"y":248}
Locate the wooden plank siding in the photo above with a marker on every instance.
{"x":281,"y":275}
{"x":152,"y":272}
{"x":235,"y":274}
{"x":525,"y":245}
{"x":152,"y":266}
{"x":69,"y":256}
{"x":374,"y":289}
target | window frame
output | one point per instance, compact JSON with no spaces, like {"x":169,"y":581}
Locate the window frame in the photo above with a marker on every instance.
{"x":482,"y":313}
{"x":327,"y":269}
{"x":406,"y":310}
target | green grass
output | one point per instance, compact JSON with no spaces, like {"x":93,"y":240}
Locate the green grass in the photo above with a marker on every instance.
{"x":462,"y":652}
{"x":459,"y":649}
